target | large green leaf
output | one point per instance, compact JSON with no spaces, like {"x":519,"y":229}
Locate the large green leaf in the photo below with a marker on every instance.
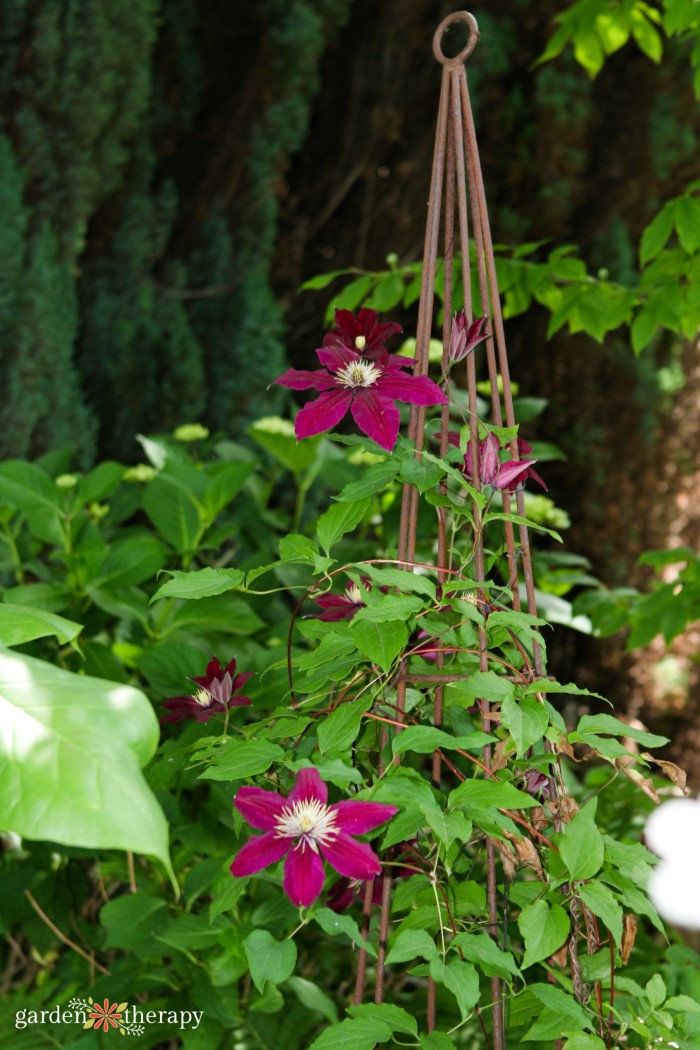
{"x":71,"y":748}
{"x":20,"y":623}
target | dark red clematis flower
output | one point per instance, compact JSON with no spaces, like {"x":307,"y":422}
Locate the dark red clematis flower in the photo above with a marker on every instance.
{"x":214,"y":695}
{"x":350,"y":381}
{"x":338,"y":607}
{"x":537,"y":783}
{"x":492,"y":472}
{"x":363,"y":334}
{"x":464,"y":336}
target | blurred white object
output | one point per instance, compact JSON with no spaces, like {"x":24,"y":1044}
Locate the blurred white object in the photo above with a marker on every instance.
{"x":673,"y":831}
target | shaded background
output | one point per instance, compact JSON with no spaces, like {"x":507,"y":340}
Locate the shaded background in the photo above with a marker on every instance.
{"x":172,"y":170}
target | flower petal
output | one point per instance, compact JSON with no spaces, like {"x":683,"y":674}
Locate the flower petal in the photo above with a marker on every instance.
{"x":302,"y":379}
{"x":416,"y":390}
{"x":376,"y":416}
{"x":262,"y":809}
{"x":337,"y":358}
{"x":259,"y":852}
{"x":511,"y":473}
{"x":308,"y":787}
{"x":355,"y":860}
{"x":303,"y":875}
{"x":357,"y":817}
{"x":323,"y":413}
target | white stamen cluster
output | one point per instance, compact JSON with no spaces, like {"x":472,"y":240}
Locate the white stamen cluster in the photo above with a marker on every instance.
{"x":204,"y":698}
{"x":311,"y":821}
{"x":354,"y":593}
{"x":359,"y":374}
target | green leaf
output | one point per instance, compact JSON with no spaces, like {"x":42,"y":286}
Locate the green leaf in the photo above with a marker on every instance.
{"x":313,"y":998}
{"x":226,"y":482}
{"x":27,"y":487}
{"x":132,"y":921}
{"x":582,"y":848}
{"x":389,"y":607}
{"x":487,"y":685}
{"x":422,"y":740}
{"x":483,"y":950}
{"x":130,"y":561}
{"x":22,"y":623}
{"x":240,"y":759}
{"x":340,"y":728}
{"x":595,"y":724}
{"x":422,"y":473}
{"x":686,"y":216}
{"x":647,"y":38}
{"x":174,"y":512}
{"x":220,"y":614}
{"x":656,"y":991}
{"x":544,"y":928}
{"x":526,"y":720}
{"x":584,"y":1041}
{"x":436,"y":1041}
{"x":381,"y":643}
{"x":339,"y":519}
{"x":71,"y":748}
{"x":268,"y":959}
{"x":461,"y":979}
{"x":373,"y":480}
{"x":404,"y":581}
{"x":342,"y":925}
{"x":409,"y":945}
{"x":277,"y":437}
{"x":352,"y":294}
{"x":656,"y":234}
{"x":200,"y":584}
{"x":321,"y":280}
{"x":602,"y":903}
{"x":394,"y":1016}
{"x":357,"y":1034}
{"x":479,"y":794}
{"x":100,"y":482}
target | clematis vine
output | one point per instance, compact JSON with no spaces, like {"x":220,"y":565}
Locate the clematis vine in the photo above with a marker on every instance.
{"x":363,"y":334}
{"x":303,"y":828}
{"x":215,"y":694}
{"x":367,"y":388}
{"x":346,"y":892}
{"x":493,"y":473}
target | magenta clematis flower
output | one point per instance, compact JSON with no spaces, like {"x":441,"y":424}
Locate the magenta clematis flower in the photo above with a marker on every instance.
{"x":464,"y":336}
{"x":214,"y":696}
{"x":363,"y":333}
{"x":366,"y":387}
{"x":303,"y":827}
{"x":494,"y":474}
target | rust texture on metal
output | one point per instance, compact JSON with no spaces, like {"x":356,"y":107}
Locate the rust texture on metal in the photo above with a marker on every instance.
{"x":457,"y":214}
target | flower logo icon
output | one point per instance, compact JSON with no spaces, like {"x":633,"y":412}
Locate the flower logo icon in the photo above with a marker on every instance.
{"x":105,"y":1015}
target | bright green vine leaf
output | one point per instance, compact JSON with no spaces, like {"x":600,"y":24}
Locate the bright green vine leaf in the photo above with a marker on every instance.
{"x":268,"y":959}
{"x":544,"y":928}
{"x":582,"y":848}
{"x":71,"y":748}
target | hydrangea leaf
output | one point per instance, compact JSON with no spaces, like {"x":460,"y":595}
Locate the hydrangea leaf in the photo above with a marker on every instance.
{"x":71,"y":748}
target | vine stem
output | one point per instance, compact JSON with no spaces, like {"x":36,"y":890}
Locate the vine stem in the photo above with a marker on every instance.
{"x":62,"y":937}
